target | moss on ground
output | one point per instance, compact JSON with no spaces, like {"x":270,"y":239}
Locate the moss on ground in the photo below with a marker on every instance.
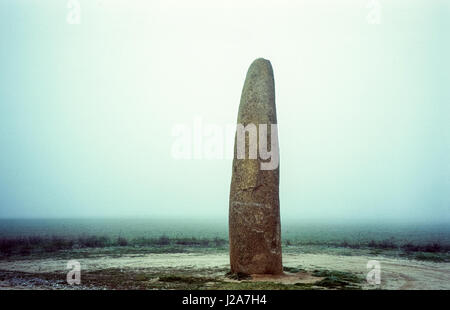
{"x":120,"y":279}
{"x":247,"y":285}
{"x":237,"y":276}
{"x":293,"y":269}
{"x":338,"y":279}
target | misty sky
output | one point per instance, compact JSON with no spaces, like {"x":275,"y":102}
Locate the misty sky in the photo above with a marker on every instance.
{"x":87,"y":111}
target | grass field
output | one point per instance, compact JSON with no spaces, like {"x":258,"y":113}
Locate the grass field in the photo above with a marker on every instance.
{"x":145,"y":254}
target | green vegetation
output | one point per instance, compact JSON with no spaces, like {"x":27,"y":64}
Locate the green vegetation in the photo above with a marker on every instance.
{"x":292,"y":269}
{"x":430,"y":251}
{"x":247,"y":285}
{"x":434,"y":257}
{"x":118,"y":279}
{"x":237,"y":276}
{"x":83,"y":246}
{"x":337,"y":279}
{"x":186,"y":279}
{"x":432,"y":247}
{"x":24,"y":246}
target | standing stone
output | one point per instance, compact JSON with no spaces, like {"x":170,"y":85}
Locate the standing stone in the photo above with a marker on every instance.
{"x":254,"y":214}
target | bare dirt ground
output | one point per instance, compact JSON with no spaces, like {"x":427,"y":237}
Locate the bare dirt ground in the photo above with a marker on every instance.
{"x":395,"y":273}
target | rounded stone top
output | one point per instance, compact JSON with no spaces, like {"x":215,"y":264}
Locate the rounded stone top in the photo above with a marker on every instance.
{"x":258,"y":95}
{"x":261,"y":65}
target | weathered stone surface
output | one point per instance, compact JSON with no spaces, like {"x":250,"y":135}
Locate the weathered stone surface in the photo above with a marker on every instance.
{"x":254,"y":213}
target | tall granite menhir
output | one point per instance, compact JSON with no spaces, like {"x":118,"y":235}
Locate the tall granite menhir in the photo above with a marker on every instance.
{"x":254,"y":214}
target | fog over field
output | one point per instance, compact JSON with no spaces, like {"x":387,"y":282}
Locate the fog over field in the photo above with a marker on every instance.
{"x":87,"y":111}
